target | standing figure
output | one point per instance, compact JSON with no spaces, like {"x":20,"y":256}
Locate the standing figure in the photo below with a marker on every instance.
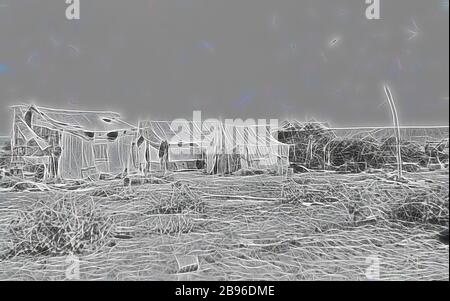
{"x":54,"y":152}
{"x":147,"y":159}
{"x":56,"y":155}
{"x":164,"y":155}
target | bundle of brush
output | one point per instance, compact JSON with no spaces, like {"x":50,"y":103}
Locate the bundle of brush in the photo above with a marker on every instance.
{"x":174,"y":212}
{"x":437,"y":151}
{"x":411,"y":152}
{"x":181,"y":200}
{"x":66,"y":225}
{"x":344,"y":150}
{"x":425,"y":207}
{"x":297,"y":133}
{"x":308,"y":140}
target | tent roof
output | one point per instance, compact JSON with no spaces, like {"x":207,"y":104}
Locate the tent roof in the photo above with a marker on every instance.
{"x":230,"y":134}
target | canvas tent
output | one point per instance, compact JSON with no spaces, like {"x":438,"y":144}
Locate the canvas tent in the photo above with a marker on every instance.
{"x":248,"y":147}
{"x":69,"y":144}
{"x":220,"y":148}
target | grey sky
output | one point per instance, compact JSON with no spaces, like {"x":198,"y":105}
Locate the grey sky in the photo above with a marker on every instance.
{"x":162,"y":59}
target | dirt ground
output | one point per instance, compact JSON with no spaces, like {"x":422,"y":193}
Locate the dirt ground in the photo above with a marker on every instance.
{"x":317,"y":226}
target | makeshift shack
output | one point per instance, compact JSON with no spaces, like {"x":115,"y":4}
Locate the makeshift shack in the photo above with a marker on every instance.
{"x":51,"y":143}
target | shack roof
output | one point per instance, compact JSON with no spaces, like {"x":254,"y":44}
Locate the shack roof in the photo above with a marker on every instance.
{"x":73,"y":120}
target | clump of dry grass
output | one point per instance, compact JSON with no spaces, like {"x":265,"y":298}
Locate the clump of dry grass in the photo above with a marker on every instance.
{"x":372,"y":200}
{"x":157,"y":209}
{"x":67,"y":225}
{"x":173,"y":213}
{"x":180,"y":200}
{"x":170,"y":224}
{"x":422,"y":208}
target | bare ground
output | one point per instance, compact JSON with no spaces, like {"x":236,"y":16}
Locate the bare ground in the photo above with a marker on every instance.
{"x":316,"y":226}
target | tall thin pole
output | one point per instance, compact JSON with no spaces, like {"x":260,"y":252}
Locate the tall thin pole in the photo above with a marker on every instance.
{"x":388,"y":93}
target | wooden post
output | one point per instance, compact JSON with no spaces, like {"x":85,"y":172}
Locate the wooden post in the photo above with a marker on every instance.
{"x":388,"y":93}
